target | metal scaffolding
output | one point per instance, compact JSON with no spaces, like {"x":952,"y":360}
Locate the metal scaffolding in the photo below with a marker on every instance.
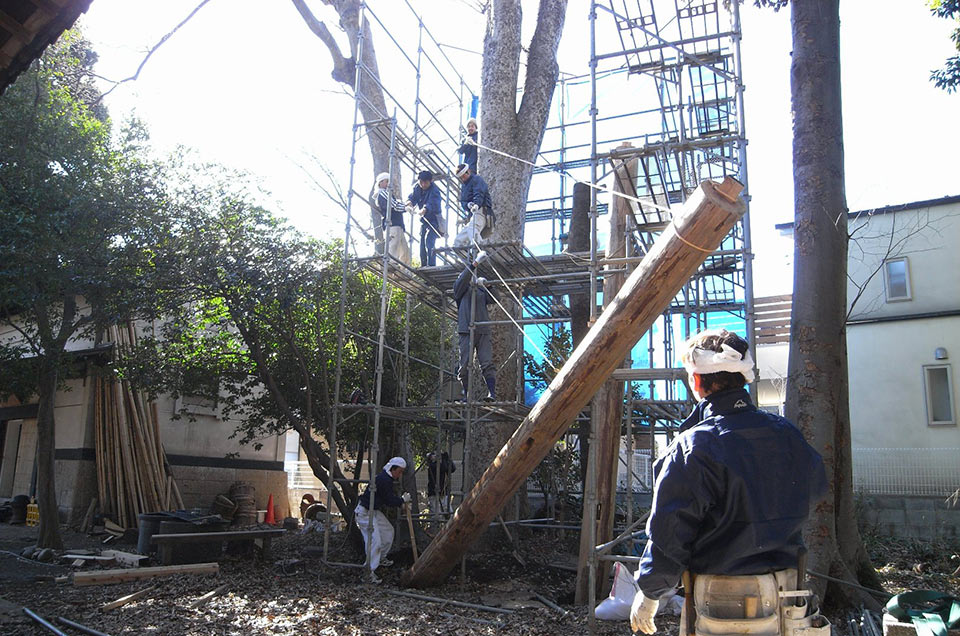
{"x":665,"y":79}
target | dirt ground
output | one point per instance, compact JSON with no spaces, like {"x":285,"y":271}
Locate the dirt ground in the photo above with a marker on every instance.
{"x":295,"y":593}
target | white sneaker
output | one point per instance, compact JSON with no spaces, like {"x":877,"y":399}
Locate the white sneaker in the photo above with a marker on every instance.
{"x":372,"y":577}
{"x":386,"y":562}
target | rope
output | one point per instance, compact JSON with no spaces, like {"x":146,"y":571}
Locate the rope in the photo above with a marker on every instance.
{"x":680,"y":236}
{"x":595,"y":186}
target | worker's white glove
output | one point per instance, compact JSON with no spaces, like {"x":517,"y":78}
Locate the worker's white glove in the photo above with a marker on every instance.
{"x":642,"y":613}
{"x":406,"y":497}
{"x":469,"y":141}
{"x":473,"y":207}
{"x":481,"y":281}
{"x":409,"y":208}
{"x":481,"y":256}
{"x":421,"y":211}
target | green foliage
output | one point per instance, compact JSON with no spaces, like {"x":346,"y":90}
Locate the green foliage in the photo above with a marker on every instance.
{"x":254,"y":325}
{"x":948,"y":77}
{"x":80,"y":213}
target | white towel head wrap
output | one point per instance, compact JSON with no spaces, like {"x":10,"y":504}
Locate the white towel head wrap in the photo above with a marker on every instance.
{"x":705,"y":361}
{"x":396,"y":461}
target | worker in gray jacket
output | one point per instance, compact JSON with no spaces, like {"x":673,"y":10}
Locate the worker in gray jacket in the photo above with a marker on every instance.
{"x":465,"y":293}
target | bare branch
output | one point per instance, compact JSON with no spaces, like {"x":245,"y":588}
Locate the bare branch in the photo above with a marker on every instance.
{"x":153,"y":49}
{"x":344,"y":69}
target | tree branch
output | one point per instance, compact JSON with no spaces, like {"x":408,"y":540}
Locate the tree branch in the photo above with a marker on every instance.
{"x":152,"y":50}
{"x":344,"y":69}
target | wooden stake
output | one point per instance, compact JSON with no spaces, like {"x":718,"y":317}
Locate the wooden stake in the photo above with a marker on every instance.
{"x":695,"y":231}
{"x":129,"y":598}
{"x":413,"y":537}
{"x":209,"y":595}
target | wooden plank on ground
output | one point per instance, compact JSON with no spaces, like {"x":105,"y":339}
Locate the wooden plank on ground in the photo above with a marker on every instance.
{"x":204,"y":537}
{"x":107,"y":577}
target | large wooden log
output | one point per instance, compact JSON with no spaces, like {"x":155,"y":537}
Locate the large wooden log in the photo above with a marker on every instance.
{"x":696,"y":230}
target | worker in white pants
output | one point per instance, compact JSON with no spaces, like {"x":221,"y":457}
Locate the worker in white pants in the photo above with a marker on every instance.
{"x":474,"y":226}
{"x":376,"y":529}
{"x":391,"y":212}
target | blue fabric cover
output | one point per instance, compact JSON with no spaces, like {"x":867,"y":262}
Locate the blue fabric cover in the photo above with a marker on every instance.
{"x":731,"y":495}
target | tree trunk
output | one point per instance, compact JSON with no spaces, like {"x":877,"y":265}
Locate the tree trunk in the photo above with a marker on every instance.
{"x":518,"y":133}
{"x":817,"y":391}
{"x":49,"y":535}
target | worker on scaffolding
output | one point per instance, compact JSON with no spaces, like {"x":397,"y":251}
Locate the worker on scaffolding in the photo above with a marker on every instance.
{"x":376,"y":529}
{"x":468,"y":289}
{"x":476,"y":202}
{"x":438,"y":481}
{"x":425,"y":201}
{"x":391,"y":211}
{"x":731,"y":496}
{"x":468,"y":149}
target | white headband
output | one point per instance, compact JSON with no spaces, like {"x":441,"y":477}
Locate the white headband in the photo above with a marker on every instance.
{"x":704,"y":361}
{"x":462,"y":171}
{"x":396,"y":461}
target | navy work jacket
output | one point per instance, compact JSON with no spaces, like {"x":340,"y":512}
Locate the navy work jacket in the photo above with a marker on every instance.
{"x":384,"y":497}
{"x":731,"y":495}
{"x":469,"y":152}
{"x":429,"y":199}
{"x":475,"y":190}
{"x":464,"y":300}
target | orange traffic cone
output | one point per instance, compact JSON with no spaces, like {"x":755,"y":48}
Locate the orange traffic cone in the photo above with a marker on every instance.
{"x":270,"y":518}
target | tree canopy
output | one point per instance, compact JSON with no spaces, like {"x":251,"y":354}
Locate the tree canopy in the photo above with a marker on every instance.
{"x":948,"y":77}
{"x":81,"y":218}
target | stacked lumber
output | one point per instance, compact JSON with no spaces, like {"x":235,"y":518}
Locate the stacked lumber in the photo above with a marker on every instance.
{"x":133,"y":475}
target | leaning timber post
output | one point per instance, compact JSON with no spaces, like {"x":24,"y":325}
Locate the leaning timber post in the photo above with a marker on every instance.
{"x":695,"y":231}
{"x":606,"y":410}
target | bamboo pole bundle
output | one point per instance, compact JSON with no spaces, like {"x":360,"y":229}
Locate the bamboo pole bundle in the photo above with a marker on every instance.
{"x":133,"y":474}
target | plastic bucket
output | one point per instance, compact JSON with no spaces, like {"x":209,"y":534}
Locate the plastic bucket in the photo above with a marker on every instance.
{"x":149,"y":526}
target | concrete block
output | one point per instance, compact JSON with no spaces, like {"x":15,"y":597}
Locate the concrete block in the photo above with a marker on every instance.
{"x":919,"y":532}
{"x":887,"y":502}
{"x":886,"y":517}
{"x":920,"y":503}
{"x":948,"y":521}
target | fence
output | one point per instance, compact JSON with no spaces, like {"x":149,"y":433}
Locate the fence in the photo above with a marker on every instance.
{"x":906,"y":471}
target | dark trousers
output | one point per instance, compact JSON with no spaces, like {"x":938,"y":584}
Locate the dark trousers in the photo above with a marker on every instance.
{"x":428,"y":246}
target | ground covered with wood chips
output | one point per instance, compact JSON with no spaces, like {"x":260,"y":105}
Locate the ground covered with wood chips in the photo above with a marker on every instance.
{"x":295,"y":593}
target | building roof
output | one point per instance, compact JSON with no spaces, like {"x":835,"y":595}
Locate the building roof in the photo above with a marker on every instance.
{"x":900,"y":207}
{"x":27,"y":27}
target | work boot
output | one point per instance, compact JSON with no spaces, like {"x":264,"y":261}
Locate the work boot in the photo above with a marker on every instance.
{"x":371,"y":577}
{"x":491,"y":390}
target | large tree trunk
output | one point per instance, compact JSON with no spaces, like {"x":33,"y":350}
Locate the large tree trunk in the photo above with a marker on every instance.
{"x":817,"y":390}
{"x":49,"y":536}
{"x":518,"y":133}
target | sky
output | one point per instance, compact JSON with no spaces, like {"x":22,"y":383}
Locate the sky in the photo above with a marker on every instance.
{"x":245,"y":83}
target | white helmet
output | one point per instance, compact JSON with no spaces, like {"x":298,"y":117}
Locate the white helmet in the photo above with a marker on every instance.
{"x":382,"y":176}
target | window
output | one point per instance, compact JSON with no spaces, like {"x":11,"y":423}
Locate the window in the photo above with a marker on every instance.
{"x":896,"y":279}
{"x":938,"y":385}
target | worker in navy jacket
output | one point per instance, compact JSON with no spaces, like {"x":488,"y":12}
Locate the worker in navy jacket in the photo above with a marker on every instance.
{"x":476,"y":202}
{"x":733,"y":490}
{"x":465,"y":293}
{"x":376,"y":529}
{"x":425,"y":200}
{"x":469,"y":147}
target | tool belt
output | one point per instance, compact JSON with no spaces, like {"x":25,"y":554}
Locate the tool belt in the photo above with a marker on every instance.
{"x":766,"y":604}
